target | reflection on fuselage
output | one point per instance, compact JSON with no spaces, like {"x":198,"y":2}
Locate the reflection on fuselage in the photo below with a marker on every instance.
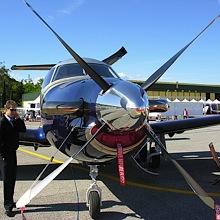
{"x":76,"y":100}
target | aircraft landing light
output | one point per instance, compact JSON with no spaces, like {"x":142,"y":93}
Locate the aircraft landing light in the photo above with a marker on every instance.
{"x":115,"y":178}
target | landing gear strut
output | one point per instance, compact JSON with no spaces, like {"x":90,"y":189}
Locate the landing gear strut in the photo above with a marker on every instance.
{"x":148,"y":157}
{"x":94,"y":194}
{"x":153,"y":158}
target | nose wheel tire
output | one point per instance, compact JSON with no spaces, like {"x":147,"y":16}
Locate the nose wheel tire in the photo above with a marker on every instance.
{"x":94,"y":204}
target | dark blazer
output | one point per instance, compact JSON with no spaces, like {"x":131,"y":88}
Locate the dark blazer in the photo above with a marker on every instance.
{"x":9,"y":135}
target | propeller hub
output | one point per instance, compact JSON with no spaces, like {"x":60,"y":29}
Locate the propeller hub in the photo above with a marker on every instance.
{"x":124,"y":106}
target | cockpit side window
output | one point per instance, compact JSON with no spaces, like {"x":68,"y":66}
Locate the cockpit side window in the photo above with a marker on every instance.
{"x":48,"y":77}
{"x":103,"y":70}
{"x":68,"y":70}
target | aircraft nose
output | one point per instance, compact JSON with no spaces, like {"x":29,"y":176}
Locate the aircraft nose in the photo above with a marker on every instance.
{"x":124,"y":106}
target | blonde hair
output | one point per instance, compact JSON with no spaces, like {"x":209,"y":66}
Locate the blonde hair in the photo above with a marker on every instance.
{"x":9,"y":104}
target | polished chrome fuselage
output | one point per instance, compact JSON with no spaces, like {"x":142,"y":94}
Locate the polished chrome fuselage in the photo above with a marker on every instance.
{"x":79,"y":102}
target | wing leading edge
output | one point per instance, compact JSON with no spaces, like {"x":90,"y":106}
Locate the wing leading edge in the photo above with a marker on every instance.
{"x":34,"y":137}
{"x":174,"y":126}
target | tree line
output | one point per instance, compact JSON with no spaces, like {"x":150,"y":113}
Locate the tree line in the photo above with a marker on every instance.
{"x":13,"y":89}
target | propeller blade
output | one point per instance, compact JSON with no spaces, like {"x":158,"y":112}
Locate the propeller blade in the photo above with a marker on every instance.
{"x":33,"y":67}
{"x":32,"y":192}
{"x":156,"y":75}
{"x":197,"y":189}
{"x":95,"y":76}
{"x":115,"y":57}
{"x":35,"y":190}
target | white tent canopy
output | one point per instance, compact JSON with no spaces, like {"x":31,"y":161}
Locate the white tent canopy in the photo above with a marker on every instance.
{"x":193,"y":100}
{"x":216,"y":101}
{"x":176,"y":100}
{"x":185,"y":100}
{"x":209,"y":101}
{"x":177,"y":107}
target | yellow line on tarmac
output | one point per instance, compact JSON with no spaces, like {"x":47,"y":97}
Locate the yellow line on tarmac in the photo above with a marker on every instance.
{"x":41,"y":156}
{"x":114,"y":178}
{"x":158,"y":188}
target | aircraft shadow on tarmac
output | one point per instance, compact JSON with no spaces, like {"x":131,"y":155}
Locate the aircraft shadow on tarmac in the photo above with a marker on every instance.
{"x":62,"y":207}
{"x":30,"y":172}
{"x":143,"y":202}
{"x":161,"y":204}
{"x":190,"y":159}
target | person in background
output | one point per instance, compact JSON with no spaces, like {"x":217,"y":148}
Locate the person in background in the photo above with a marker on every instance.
{"x":185,"y":113}
{"x":10,"y":126}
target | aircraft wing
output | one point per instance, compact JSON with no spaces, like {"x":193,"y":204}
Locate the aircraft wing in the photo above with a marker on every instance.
{"x":36,"y":136}
{"x":109,"y":60}
{"x":175,"y":126}
{"x":33,"y":67}
{"x":33,"y":137}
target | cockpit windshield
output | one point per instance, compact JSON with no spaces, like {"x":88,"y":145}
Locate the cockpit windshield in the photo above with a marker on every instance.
{"x":74,"y":69}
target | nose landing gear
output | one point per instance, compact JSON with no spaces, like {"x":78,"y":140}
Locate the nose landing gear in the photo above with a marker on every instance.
{"x":94,"y":194}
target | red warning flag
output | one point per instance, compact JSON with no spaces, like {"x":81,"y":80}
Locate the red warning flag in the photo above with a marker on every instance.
{"x":121,"y":168}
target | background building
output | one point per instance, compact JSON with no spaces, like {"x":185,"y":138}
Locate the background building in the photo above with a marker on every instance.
{"x":183,"y":91}
{"x":168,"y":90}
{"x":31,"y":100}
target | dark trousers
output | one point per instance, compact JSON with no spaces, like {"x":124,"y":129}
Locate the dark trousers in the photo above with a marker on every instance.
{"x":8,"y":167}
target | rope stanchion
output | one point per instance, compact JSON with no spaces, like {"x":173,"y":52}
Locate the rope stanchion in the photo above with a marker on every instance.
{"x":22,"y":209}
{"x":214,"y":154}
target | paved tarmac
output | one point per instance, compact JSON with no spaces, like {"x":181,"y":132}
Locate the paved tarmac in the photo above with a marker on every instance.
{"x":166,"y":196}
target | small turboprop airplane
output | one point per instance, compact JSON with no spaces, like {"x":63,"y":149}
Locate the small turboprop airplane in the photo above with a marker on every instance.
{"x":90,"y":114}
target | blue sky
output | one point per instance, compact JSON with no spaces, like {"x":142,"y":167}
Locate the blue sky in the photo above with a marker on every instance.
{"x":151,"y":30}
